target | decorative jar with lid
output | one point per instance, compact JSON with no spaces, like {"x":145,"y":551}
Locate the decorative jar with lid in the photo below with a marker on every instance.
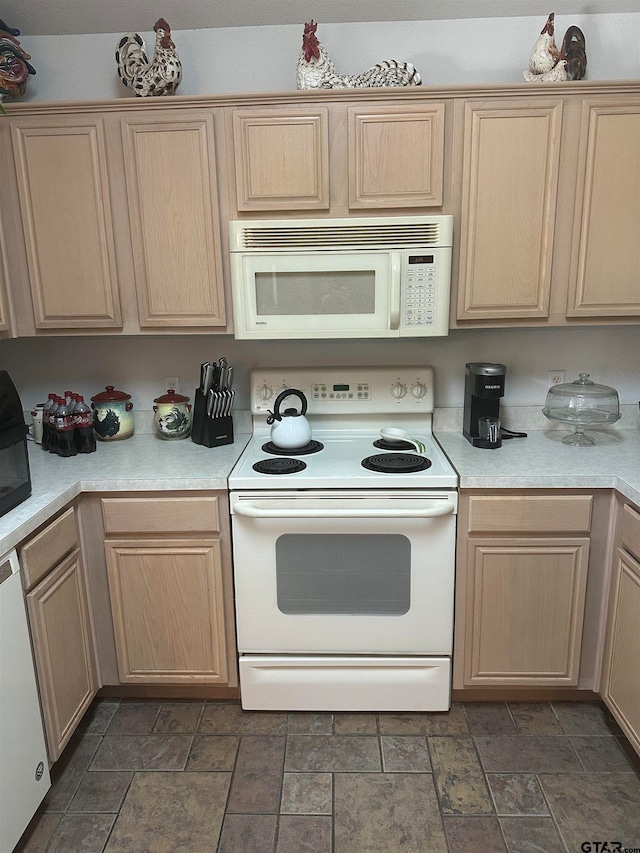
{"x":112,"y":414}
{"x":172,"y":415}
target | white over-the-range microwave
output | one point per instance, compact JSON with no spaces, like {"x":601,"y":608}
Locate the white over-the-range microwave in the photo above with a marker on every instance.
{"x":371,"y":277}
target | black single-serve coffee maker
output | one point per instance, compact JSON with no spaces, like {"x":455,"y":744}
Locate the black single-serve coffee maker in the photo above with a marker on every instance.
{"x":483,"y":388}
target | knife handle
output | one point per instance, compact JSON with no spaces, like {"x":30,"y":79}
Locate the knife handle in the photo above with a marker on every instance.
{"x":203,"y":374}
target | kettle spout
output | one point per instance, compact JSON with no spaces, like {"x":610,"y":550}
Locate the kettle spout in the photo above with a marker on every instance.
{"x":271,"y":417}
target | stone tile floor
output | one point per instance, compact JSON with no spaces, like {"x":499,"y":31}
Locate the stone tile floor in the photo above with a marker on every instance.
{"x":207,"y":777}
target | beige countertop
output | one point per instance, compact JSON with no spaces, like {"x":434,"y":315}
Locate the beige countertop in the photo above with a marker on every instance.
{"x":146,"y":463}
{"x":542,"y":461}
{"x":139,"y":463}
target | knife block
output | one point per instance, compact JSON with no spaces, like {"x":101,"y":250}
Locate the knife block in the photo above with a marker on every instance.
{"x":210,"y":432}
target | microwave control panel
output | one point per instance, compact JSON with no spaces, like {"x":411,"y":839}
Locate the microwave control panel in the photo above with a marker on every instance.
{"x":419,"y":290}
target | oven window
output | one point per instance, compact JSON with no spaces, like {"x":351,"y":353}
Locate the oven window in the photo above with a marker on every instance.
{"x":315,"y":293}
{"x":343,"y":573}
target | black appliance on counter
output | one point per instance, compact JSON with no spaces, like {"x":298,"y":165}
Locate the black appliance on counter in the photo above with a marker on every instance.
{"x":483,"y":388}
{"x":15,"y":478}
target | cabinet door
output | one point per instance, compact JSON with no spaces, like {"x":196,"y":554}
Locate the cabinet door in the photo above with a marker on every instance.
{"x":168,"y":614}
{"x":605,"y":267}
{"x":525,"y":606}
{"x":396,"y":156}
{"x":173,"y":209}
{"x":5,"y":325}
{"x":510,"y":178}
{"x":281,"y":159}
{"x":63,"y":647}
{"x":621,"y":687}
{"x":66,"y":215}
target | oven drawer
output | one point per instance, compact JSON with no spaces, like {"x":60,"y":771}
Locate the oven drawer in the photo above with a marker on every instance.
{"x":340,"y":683}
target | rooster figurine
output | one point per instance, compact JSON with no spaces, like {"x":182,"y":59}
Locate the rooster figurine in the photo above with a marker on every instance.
{"x":315,"y":69}
{"x":14,"y":65}
{"x":547,"y":64}
{"x":162,"y":75}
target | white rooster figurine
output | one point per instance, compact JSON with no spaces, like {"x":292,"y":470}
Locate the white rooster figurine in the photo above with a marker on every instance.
{"x":547,"y":64}
{"x":162,"y":75}
{"x":315,"y":69}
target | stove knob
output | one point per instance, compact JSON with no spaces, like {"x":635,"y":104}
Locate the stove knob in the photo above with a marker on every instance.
{"x":265,"y":393}
{"x":419,"y":390}
{"x":398,"y":390}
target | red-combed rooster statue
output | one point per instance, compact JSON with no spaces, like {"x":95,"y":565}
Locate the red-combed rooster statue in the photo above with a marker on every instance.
{"x":161,"y":75}
{"x":547,"y":64}
{"x":316,"y":70}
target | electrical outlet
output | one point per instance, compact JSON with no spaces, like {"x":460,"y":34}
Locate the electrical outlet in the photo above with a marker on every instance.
{"x":556,"y":377}
{"x":171,"y":383}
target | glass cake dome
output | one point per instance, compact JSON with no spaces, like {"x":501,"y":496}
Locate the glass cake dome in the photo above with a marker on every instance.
{"x":582,"y":403}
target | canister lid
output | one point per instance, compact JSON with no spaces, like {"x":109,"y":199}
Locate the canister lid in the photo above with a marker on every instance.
{"x":110,"y":395}
{"x":171,"y":397}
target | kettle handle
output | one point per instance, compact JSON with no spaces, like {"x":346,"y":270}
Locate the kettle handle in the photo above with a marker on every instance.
{"x":289,"y":392}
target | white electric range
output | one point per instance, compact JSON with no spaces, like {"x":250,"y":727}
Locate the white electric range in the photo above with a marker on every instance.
{"x":344,"y":575}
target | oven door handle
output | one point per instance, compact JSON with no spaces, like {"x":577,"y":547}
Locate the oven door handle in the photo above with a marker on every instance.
{"x":252,"y":511}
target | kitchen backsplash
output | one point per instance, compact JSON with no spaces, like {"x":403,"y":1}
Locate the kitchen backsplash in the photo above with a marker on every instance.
{"x":138,"y":365}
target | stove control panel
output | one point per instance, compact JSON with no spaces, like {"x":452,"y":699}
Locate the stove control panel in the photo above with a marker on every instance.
{"x":340,"y":391}
{"x":358,"y":390}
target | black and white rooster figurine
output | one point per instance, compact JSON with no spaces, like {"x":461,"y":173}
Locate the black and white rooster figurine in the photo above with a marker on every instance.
{"x":547,"y":64}
{"x":162,"y":75}
{"x":315,"y":69}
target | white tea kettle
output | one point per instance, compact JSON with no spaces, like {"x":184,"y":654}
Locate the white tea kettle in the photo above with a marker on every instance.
{"x":290,"y":429}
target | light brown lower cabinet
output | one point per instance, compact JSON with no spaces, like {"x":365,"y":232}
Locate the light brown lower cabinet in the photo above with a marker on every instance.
{"x":168,"y":612}
{"x":521,"y":583}
{"x":621,"y":672}
{"x":525,"y":600}
{"x":65,"y":664}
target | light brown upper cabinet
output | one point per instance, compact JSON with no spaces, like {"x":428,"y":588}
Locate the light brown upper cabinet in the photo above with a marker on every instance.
{"x":396,"y":156}
{"x":173,"y":211}
{"x":281,"y":159}
{"x":337,"y":158}
{"x":63,"y":189}
{"x":510,"y":156}
{"x":605,"y":262}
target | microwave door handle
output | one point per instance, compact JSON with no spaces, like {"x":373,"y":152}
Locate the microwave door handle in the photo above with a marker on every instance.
{"x":441,"y":508}
{"x":394,"y":296}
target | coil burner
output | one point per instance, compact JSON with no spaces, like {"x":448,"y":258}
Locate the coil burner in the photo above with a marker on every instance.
{"x":396,"y":463}
{"x":279,"y":465}
{"x":383,"y":444}
{"x":312,"y":447}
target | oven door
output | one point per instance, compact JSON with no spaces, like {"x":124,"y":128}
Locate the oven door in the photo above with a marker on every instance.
{"x":344,"y":572}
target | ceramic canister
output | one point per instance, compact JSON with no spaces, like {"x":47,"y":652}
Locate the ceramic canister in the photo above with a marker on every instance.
{"x":112,"y":414}
{"x":172,"y":415}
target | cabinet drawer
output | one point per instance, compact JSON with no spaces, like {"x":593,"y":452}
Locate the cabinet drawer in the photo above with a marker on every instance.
{"x":161,"y":515}
{"x":47,"y":548}
{"x":530,"y":513}
{"x":630,"y":531}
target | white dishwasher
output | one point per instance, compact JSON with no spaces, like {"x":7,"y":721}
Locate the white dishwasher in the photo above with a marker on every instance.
{"x":24,"y":771}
